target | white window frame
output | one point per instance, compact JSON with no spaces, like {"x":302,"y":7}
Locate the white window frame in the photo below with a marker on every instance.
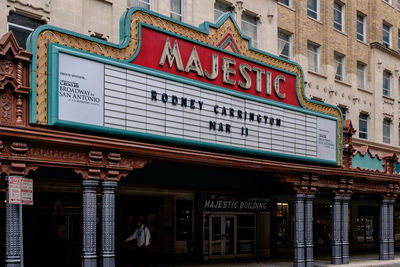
{"x":359,"y":128}
{"x":361,"y":69}
{"x":339,"y":59}
{"x":138,"y":2}
{"x":314,"y":11}
{"x":389,"y":45}
{"x":289,"y":42}
{"x":341,"y":10}
{"x":398,"y":84}
{"x":255,"y":43}
{"x":398,"y":40}
{"x":345,"y":111}
{"x":175,"y":13}
{"x":363,"y":22}
{"x":398,"y":137}
{"x":387,"y":91}
{"x":289,"y":3}
{"x":218,"y":4}
{"x":387,"y":139}
{"x":316,"y":52}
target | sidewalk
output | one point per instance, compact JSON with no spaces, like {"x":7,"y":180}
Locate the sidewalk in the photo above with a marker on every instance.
{"x":364,"y":260}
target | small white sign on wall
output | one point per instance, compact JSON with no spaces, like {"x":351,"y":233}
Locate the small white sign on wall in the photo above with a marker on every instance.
{"x":326,"y":139}
{"x":80,"y":90}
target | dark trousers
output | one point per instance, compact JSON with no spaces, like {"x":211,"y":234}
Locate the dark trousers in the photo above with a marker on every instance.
{"x":141,"y":257}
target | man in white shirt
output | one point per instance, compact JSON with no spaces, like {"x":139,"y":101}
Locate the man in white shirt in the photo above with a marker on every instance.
{"x":142,"y":236}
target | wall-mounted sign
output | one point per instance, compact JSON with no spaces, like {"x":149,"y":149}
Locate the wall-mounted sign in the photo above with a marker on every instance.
{"x":221,"y":203}
{"x":210,"y":90}
{"x":20,"y":190}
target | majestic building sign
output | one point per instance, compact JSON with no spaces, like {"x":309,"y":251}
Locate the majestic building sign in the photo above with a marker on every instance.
{"x":170,"y":82}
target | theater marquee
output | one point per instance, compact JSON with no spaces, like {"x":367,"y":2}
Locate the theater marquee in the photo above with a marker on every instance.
{"x":171,"y":82}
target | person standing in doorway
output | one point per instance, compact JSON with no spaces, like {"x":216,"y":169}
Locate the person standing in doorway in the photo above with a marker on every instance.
{"x":143,"y":240}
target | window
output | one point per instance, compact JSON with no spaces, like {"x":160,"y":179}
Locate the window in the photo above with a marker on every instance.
{"x":388,"y":1}
{"x":398,"y":4}
{"x":250,"y":28}
{"x":387,"y":35}
{"x":146,"y":4}
{"x":361,"y":75}
{"x":284,"y":44}
{"x":387,"y":135}
{"x":177,"y":9}
{"x":338,"y":16}
{"x":344,"y":112}
{"x":339,"y":66}
{"x":399,"y":88}
{"x":219,"y":9}
{"x":313,"y":57}
{"x":361,"y":28}
{"x":288,"y":2}
{"x":387,"y":83}
{"x":399,"y":135}
{"x":398,"y":40}
{"x":22,"y":26}
{"x":313,"y":9}
{"x":363,"y":126}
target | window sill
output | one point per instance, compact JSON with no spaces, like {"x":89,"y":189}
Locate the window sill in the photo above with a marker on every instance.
{"x":342,"y":82}
{"x":362,"y":42}
{"x":315,"y":20}
{"x":365,"y":90}
{"x":341,"y":32}
{"x":317,"y":74}
{"x":391,"y":5}
{"x":288,"y":7}
{"x":388,"y":98}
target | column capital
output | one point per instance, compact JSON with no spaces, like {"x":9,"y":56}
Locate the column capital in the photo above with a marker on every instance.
{"x":89,"y":185}
{"x":109,"y":184}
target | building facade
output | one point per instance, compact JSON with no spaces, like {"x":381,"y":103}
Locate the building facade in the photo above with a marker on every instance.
{"x":349,"y":51}
{"x":239,"y":196}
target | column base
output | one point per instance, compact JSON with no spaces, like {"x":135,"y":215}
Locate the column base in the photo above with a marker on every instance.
{"x":107,"y":262}
{"x":309,"y":255}
{"x":299,"y":256}
{"x":337,"y":254}
{"x":345,"y":253}
{"x":107,"y":259}
{"x":391,"y":250}
{"x":383,"y":251}
{"x":89,"y":260}
{"x":12,"y":261}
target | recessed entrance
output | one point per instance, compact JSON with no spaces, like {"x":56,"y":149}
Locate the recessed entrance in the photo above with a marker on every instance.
{"x":229,"y":235}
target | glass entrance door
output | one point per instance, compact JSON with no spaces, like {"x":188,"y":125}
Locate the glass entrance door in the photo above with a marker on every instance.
{"x":222,"y":236}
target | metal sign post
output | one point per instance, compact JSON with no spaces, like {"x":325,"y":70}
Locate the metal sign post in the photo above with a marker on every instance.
{"x":21,"y":235}
{"x":20,"y":191}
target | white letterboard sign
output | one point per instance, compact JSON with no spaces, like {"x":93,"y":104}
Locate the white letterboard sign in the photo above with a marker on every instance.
{"x":140,"y":103}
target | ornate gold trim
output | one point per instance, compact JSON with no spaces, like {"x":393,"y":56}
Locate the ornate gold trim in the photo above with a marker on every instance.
{"x":213,"y":38}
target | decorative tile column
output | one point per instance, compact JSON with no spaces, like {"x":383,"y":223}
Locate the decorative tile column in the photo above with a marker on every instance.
{"x":383,"y":230}
{"x":299,"y":246}
{"x":89,"y":210}
{"x":308,"y":227}
{"x":336,"y":230}
{"x":108,"y":224}
{"x":390,"y":230}
{"x":345,"y":230}
{"x":13,"y":250}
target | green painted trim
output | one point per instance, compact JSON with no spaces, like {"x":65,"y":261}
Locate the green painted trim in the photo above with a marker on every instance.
{"x":124,"y":41}
{"x":367,"y":162}
{"x":53,"y":108}
{"x":229,"y":40}
{"x":175,"y":140}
